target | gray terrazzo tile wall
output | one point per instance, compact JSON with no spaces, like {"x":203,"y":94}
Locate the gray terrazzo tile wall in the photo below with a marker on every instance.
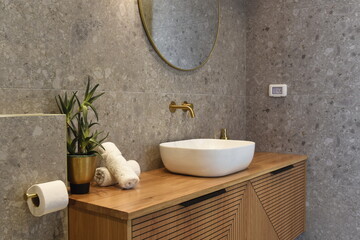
{"x":313,"y":46}
{"x":32,"y":150}
{"x":49,"y":47}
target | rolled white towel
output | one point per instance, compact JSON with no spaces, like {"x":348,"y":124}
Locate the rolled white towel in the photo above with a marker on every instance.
{"x":108,"y":148}
{"x":105,"y":149}
{"x":134,"y":166}
{"x":122,"y":172}
{"x":117,"y":165}
{"x":104,"y":178}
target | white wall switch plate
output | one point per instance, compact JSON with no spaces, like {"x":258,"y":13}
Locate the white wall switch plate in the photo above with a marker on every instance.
{"x":277,"y":90}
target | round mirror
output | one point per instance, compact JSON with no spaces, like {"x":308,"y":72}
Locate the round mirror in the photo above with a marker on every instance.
{"x":182,"y":32}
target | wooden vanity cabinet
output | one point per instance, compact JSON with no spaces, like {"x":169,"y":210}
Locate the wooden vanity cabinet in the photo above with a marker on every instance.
{"x":266,"y":203}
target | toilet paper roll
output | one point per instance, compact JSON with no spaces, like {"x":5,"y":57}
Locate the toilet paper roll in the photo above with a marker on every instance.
{"x":52,"y":196}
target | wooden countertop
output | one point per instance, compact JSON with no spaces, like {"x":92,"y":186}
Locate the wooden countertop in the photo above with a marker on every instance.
{"x":159,"y":188}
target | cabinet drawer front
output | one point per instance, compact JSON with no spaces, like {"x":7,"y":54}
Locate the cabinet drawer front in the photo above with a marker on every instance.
{"x":214,"y":216}
{"x":282,"y":195}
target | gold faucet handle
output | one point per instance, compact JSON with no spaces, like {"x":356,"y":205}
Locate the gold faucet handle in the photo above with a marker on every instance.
{"x":223,"y":134}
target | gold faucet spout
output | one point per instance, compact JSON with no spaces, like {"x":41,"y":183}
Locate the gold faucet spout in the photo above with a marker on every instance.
{"x":185,"y":107}
{"x":191,"y":111}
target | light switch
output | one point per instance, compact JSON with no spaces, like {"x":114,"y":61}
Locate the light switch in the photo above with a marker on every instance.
{"x":277,"y":90}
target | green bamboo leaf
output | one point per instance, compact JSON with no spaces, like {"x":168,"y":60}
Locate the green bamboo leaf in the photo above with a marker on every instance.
{"x":72,"y":99}
{"x":65,"y":98}
{"x":91,"y":93}
{"x":95,"y":135}
{"x":58,"y":105}
{"x":96,"y":97}
{"x":101,"y":140}
{"x":78,"y":101}
{"x":72,"y":146}
{"x":73,"y":131}
{"x":94,"y":110}
{"x":93,"y":124}
{"x":87,"y":86}
{"x":62,"y":108}
{"x":85,"y":112}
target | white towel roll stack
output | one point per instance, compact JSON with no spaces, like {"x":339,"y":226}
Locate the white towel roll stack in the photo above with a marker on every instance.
{"x":104,"y":178}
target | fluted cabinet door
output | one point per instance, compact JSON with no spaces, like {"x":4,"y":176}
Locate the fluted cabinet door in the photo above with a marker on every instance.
{"x":259,"y":226}
{"x":281,"y":194}
{"x":218,"y":215}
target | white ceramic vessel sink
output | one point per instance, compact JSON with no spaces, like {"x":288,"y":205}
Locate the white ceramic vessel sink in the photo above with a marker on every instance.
{"x":207,"y":157}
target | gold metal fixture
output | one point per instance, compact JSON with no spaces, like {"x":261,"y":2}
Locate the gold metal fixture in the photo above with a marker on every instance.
{"x":185,"y":107}
{"x":31,"y":195}
{"x":34,"y":198}
{"x":223,"y":134}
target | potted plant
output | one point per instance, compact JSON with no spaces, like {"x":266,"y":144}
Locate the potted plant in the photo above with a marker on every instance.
{"x":81,"y":138}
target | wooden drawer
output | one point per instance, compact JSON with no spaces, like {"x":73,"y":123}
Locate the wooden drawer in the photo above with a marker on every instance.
{"x":216,"y":215}
{"x":282,"y":195}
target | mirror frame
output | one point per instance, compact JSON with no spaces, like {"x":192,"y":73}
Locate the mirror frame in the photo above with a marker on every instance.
{"x":161,"y":55}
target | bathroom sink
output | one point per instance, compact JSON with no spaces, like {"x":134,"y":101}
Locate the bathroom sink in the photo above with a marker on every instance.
{"x":207,"y":157}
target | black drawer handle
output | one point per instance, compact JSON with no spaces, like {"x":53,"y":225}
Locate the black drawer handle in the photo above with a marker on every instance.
{"x":203,"y":198}
{"x":282,"y":169}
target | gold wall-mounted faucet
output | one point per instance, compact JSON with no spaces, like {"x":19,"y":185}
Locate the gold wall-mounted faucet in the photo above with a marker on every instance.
{"x":223,"y":134}
{"x":185,"y":107}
